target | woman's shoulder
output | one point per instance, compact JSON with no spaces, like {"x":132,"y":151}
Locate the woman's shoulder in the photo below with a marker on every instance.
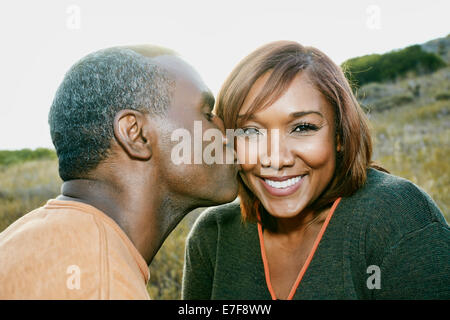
{"x":221,"y":214}
{"x":392,"y":191}
{"x":213,"y":218}
{"x":393,"y":221}
{"x":382,"y":181}
{"x":392,"y":203}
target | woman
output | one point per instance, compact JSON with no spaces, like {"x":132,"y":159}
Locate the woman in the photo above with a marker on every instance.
{"x":316,"y":219}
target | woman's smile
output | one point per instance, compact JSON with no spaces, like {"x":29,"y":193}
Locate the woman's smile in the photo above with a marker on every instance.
{"x":282,"y":186}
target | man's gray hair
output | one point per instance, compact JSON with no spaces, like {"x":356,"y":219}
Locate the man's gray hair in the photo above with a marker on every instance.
{"x":92,"y":92}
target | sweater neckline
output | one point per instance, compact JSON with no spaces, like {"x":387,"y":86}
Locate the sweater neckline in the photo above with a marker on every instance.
{"x":307,"y":262}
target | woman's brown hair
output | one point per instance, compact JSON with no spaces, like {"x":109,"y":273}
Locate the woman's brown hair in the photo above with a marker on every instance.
{"x":285,"y":59}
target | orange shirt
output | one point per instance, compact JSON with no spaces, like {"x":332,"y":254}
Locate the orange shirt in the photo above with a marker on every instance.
{"x":69,"y":250}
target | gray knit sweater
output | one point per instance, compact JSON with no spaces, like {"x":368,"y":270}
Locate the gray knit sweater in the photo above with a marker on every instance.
{"x":387,"y":241}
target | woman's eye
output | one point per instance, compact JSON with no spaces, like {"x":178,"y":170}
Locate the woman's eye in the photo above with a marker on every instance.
{"x":249,"y":132}
{"x":305,"y":127}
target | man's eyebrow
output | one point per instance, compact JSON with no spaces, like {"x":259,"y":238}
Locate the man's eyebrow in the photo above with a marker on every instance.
{"x":208,"y":99}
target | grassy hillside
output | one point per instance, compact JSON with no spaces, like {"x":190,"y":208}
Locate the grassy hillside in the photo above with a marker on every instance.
{"x":410,"y":118}
{"x":25,"y":186}
{"x":440,"y":46}
{"x":413,"y":141}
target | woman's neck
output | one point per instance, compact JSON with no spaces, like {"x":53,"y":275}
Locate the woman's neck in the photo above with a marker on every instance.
{"x":294,"y":230}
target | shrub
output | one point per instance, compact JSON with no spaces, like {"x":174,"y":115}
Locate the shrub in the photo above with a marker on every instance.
{"x":391,"y":65}
{"x":442,"y":96}
{"x":9,"y":157}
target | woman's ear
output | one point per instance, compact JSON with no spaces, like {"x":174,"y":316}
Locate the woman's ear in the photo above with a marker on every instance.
{"x":132,"y":132}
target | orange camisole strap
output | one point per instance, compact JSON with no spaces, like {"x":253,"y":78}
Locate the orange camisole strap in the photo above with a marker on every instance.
{"x":307,"y":262}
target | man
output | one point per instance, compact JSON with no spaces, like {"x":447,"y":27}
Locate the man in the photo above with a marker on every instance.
{"x":111,"y":123}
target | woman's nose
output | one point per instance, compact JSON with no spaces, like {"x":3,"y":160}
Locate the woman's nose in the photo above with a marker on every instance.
{"x":278,"y":153}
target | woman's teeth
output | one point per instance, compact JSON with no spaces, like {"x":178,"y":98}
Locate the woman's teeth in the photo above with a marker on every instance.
{"x":283,"y":184}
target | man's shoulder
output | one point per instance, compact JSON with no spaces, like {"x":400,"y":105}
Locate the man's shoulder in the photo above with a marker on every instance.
{"x":50,"y":223}
{"x":60,"y":233}
{"x":39,"y":251}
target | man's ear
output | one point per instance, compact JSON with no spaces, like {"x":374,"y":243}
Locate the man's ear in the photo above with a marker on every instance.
{"x":131,"y":130}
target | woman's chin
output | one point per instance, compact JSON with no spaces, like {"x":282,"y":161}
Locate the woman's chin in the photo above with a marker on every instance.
{"x":283,"y":210}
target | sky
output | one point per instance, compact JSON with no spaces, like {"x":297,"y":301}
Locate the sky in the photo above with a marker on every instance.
{"x":42,"y":39}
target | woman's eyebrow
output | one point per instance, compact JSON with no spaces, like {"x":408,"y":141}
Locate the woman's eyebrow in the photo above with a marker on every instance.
{"x":304,"y":113}
{"x":245,"y":115}
{"x":292,"y":115}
